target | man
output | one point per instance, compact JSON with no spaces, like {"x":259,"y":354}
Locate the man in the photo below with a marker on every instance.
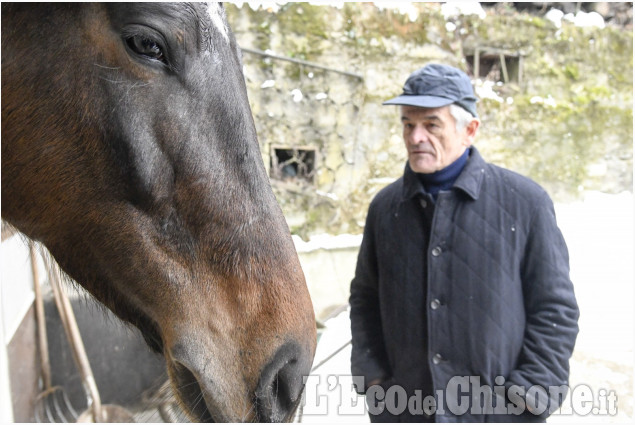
{"x":461,"y":306}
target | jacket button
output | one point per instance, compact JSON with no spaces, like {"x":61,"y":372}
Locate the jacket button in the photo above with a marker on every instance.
{"x":423,"y":203}
{"x":436,"y":251}
{"x":434,"y":304}
{"x":438,"y":358}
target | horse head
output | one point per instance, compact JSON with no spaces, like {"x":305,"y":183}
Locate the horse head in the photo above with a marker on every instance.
{"x":129,"y":150}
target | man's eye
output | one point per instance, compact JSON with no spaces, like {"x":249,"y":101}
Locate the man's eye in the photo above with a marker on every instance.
{"x":146,"y":47}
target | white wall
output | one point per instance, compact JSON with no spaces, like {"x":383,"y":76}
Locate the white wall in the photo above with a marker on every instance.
{"x":329,"y":264}
{"x":16,"y":297}
{"x":6,"y":410}
{"x":16,"y":284}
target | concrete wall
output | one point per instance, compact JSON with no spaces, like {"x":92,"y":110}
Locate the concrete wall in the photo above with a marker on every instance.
{"x":16,"y":300}
{"x":328,"y":263}
{"x":6,"y":408}
{"x":565,"y":119}
{"x":16,"y":284}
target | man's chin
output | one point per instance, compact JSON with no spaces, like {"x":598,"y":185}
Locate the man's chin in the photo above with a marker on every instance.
{"x":423,"y":164}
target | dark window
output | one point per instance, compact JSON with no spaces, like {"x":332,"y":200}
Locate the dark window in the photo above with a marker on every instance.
{"x":293,"y":164}
{"x":496,"y":66}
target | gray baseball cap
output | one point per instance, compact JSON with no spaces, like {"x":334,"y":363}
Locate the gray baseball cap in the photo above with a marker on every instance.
{"x":434,"y":86}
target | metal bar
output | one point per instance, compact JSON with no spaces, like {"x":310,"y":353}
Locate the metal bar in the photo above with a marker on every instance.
{"x":477,"y":63}
{"x":335,"y":353}
{"x":77,"y":345}
{"x":7,"y":231}
{"x":301,"y":62}
{"x":504,"y":68}
{"x":41,"y":320}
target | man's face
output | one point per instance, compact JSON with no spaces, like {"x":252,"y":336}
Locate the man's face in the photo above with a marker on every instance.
{"x":431,"y":138}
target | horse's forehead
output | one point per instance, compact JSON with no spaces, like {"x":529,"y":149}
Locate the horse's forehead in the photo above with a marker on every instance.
{"x":216,"y":15}
{"x":206,"y":18}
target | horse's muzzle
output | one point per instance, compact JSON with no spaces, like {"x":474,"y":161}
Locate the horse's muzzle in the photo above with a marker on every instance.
{"x":276,"y":396}
{"x":279,"y":391}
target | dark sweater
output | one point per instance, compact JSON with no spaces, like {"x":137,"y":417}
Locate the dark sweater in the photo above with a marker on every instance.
{"x":444,"y":179}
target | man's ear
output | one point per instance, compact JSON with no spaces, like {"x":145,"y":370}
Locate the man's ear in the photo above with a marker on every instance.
{"x":471,"y":130}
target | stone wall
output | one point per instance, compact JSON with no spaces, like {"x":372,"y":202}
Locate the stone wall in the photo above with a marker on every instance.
{"x":563,"y":115}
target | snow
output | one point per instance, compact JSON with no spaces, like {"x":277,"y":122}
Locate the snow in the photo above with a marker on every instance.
{"x":327,"y":242}
{"x":333,"y":3}
{"x":485,"y":90}
{"x":328,"y":195}
{"x":297,"y":95}
{"x":555,"y":16}
{"x":272,"y":6}
{"x":404,"y":8}
{"x":599,"y":235}
{"x":457,"y":8}
{"x":449,"y":10}
{"x":584,"y":19}
{"x":267,"y":84}
{"x":548,"y":101}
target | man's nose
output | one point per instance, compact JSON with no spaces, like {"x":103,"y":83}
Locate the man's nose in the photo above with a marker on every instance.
{"x":419,"y":135}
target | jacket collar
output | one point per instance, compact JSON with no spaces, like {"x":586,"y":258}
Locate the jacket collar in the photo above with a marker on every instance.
{"x":469,"y":181}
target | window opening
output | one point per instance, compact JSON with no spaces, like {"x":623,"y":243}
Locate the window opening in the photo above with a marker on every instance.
{"x":496,"y":65}
{"x":293,"y":164}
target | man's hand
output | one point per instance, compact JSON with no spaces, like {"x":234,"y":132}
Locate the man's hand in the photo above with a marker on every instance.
{"x":375,"y":382}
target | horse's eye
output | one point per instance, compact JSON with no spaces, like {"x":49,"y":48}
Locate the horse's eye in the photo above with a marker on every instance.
{"x":146,"y":47}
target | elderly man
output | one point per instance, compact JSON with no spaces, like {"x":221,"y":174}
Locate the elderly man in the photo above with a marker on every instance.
{"x":461,"y":306}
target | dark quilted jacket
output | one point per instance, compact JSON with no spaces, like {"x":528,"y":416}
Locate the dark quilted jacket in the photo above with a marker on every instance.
{"x":498,"y":301}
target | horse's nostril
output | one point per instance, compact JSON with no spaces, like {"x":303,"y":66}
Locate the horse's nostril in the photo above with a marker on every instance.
{"x":190,"y":392}
{"x":280,"y":388}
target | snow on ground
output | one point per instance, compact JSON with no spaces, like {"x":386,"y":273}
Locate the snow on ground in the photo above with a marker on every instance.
{"x":599,"y":234}
{"x":327,"y":242}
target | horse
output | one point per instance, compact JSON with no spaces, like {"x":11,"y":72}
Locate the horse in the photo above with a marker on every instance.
{"x":130,"y":152}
